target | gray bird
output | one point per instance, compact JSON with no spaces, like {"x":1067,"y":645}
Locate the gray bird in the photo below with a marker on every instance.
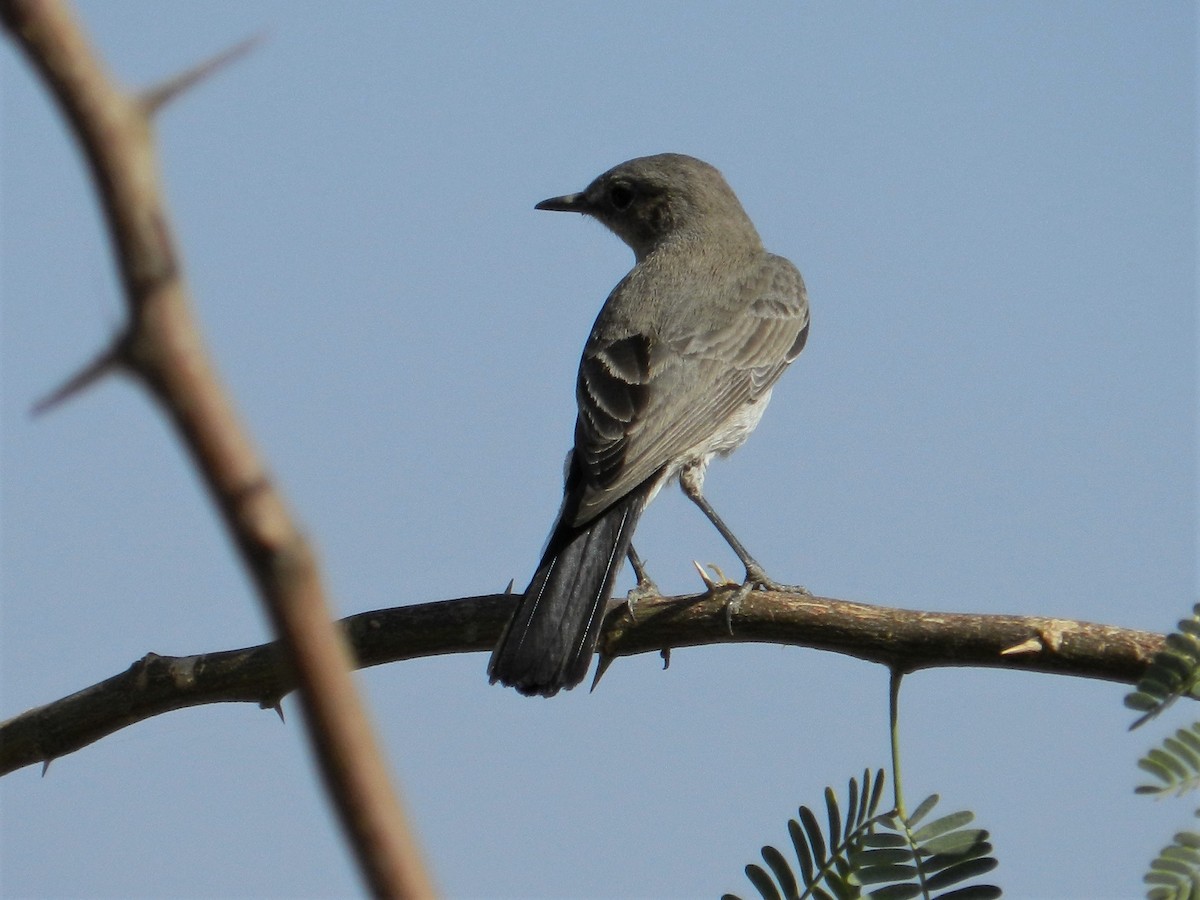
{"x":679,"y":367}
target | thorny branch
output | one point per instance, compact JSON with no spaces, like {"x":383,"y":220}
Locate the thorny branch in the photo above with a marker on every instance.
{"x":904,"y":640}
{"x":161,"y":348}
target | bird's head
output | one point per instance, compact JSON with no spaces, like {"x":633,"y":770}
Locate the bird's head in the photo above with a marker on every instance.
{"x":650,"y":201}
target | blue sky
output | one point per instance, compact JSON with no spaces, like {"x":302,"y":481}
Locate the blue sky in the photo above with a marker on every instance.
{"x":994,"y":206}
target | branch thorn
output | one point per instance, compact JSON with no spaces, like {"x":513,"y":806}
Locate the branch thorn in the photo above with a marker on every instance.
{"x":712,"y":585}
{"x":110,"y":359}
{"x":1029,"y":645}
{"x":601,"y":668}
{"x":153,"y":99}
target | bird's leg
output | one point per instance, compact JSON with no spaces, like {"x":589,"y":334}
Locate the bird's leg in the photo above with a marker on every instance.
{"x":639,"y":569}
{"x":645,"y":587}
{"x":691,"y":479}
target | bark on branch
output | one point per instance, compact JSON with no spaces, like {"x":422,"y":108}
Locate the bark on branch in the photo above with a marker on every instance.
{"x":905,"y":640}
{"x":161,"y":348}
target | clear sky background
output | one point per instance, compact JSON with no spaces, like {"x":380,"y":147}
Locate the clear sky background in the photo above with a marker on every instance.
{"x":994,"y":206}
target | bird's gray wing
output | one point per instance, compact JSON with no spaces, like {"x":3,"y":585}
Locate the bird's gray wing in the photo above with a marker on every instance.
{"x":645,"y":401}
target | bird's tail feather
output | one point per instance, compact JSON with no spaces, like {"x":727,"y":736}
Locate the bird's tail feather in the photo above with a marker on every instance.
{"x":549,"y":642}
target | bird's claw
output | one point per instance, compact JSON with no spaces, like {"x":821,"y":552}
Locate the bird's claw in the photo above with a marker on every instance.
{"x":756,"y":580}
{"x":713,"y":585}
{"x":644,"y":589}
{"x":734,"y":604}
{"x":757,"y":577}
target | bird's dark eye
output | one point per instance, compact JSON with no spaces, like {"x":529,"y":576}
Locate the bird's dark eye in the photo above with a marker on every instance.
{"x":620,"y":196}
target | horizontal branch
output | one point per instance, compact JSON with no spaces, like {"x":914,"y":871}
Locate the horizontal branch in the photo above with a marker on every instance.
{"x":905,"y":640}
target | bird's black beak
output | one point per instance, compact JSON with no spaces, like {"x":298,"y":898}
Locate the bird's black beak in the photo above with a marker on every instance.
{"x":566,"y":203}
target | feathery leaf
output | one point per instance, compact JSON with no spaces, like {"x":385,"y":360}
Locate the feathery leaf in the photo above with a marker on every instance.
{"x":884,"y":850}
{"x":1174,"y":672}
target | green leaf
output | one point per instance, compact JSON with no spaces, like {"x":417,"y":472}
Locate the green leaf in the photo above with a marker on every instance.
{"x":1175,"y":764}
{"x":973,"y":892}
{"x":888,"y":873}
{"x":782,"y":872}
{"x":961,"y":872}
{"x":897,"y":892}
{"x":802,"y":854}
{"x":1190,"y":627}
{"x":1186,"y":647}
{"x":1185,"y":855}
{"x":868,"y":858}
{"x":856,"y":814}
{"x":842,"y":888}
{"x":762,"y":882}
{"x":941,"y":861}
{"x":1190,"y":737}
{"x":921,"y":811}
{"x":942,"y":825}
{"x":956,"y":841}
{"x":1141,"y":701}
{"x":834,"y":814}
{"x":884,"y":839}
{"x":1173,"y":672}
{"x":815,"y":840}
{"x":876,"y":793}
{"x":1175,"y":872}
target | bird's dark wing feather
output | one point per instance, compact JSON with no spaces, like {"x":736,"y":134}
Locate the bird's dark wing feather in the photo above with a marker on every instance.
{"x":643,"y":402}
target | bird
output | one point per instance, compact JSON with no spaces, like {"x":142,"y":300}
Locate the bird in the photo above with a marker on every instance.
{"x":678,"y":368}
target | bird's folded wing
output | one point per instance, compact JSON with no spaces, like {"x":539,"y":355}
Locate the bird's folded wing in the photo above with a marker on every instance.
{"x":644,"y":403}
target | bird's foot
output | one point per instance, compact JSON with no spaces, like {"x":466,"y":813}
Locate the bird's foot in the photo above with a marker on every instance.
{"x":758,"y":579}
{"x":713,"y":585}
{"x":645,"y":589}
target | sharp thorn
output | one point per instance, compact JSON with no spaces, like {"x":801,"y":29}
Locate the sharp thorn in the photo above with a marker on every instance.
{"x":1029,"y":645}
{"x":601,"y":668}
{"x":278,"y":707}
{"x":709,"y":584}
{"x":511,"y":582}
{"x":46,"y":766}
{"x":102,"y":365}
{"x":155,"y":98}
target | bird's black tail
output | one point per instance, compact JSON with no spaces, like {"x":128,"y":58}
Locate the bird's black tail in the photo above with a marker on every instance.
{"x":549,"y":642}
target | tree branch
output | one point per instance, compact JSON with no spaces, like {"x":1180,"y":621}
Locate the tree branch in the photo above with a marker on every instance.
{"x":162,"y":349}
{"x":904,"y":640}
